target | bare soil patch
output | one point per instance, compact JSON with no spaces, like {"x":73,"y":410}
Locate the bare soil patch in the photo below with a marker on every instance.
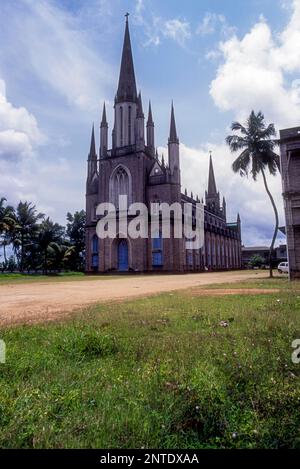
{"x":42,"y":301}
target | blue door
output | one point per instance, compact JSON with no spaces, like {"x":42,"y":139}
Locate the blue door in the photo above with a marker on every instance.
{"x":123,"y":255}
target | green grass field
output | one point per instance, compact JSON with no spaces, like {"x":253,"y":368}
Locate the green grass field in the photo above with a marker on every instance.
{"x":160,"y":372}
{"x":60,"y":277}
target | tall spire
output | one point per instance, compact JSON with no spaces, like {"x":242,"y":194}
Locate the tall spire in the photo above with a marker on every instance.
{"x":212,"y":188}
{"x":93,"y":153}
{"x":127,"y":84}
{"x":173,"y":133}
{"x":104,"y":120}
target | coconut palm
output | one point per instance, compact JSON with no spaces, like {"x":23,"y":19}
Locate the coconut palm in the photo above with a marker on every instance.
{"x":7,"y":223}
{"x":256,"y":143}
{"x":50,"y":237}
{"x":27,"y":219}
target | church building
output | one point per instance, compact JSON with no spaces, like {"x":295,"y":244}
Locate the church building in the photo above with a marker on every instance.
{"x":131,"y":166}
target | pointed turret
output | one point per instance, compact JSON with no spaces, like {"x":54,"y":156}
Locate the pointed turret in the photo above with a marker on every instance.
{"x":173,"y":145}
{"x":140,"y":125}
{"x":92,"y":158}
{"x":224,"y":208}
{"x":103,"y":134}
{"x":92,"y":153}
{"x":150,"y":118}
{"x":139,"y":112}
{"x":104,"y":120}
{"x":150,"y":130}
{"x":127,"y":84}
{"x":212,"y":196}
{"x":212,"y":188}
{"x":173,"y":132}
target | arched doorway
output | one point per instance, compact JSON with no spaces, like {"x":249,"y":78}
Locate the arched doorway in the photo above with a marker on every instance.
{"x":123,"y":256}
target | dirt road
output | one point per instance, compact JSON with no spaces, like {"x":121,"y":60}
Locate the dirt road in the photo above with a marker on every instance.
{"x":42,"y":301}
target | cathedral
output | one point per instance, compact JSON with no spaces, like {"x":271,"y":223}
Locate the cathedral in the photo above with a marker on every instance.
{"x":132,"y":167}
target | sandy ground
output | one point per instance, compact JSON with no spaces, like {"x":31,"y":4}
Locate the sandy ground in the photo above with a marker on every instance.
{"x":42,"y":301}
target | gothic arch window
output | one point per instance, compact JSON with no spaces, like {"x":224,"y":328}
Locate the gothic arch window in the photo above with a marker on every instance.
{"x":157,"y":250}
{"x":121,"y":126}
{"x":120,"y":184}
{"x":129,"y":125}
{"x":95,"y":252}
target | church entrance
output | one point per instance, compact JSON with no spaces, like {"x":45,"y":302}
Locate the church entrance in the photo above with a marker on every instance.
{"x":123,"y":256}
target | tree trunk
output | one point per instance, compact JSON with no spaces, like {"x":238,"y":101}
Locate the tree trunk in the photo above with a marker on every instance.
{"x":22,"y":252}
{"x":276,"y":221}
{"x":4,"y":250}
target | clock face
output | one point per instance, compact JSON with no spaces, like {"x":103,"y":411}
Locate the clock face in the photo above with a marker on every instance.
{"x":156,"y":171}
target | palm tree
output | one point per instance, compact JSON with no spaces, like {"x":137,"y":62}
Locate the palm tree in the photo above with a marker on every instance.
{"x":27,"y":220}
{"x":256,"y":143}
{"x":7,"y":223}
{"x":49,"y":239}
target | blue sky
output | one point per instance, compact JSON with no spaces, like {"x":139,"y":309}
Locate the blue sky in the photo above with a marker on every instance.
{"x":216,"y":59}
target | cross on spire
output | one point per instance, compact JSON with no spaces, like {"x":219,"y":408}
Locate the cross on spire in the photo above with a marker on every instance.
{"x":127,"y":85}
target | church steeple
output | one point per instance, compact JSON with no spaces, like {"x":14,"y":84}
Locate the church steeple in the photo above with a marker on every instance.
{"x":212,"y":196}
{"x":126,"y":101}
{"x":212,"y":188}
{"x":173,"y":146}
{"x":127,"y":85}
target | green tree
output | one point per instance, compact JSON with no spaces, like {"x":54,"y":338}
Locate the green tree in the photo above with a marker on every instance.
{"x":27,"y":219}
{"x":50,"y":237}
{"x":76,"y":234}
{"x":256,"y":261}
{"x":256,"y":145}
{"x":7,"y":223}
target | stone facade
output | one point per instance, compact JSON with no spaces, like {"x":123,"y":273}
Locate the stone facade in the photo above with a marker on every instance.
{"x":290,"y":171}
{"x":132,"y":167}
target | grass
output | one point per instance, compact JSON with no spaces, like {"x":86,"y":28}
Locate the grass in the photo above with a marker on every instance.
{"x":277,"y":282}
{"x":8,"y":278}
{"x":160,"y":372}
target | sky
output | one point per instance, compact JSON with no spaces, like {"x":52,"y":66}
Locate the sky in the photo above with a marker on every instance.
{"x":218,"y":60}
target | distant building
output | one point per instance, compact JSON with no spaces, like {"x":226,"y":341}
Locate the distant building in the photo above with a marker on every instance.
{"x":131,"y":166}
{"x":279,"y":254}
{"x":249,"y":251}
{"x":290,"y":172}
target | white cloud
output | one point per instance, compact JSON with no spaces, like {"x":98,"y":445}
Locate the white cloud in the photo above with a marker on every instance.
{"x":178,"y":30}
{"x":242,"y":195}
{"x":213,"y":22}
{"x":19,"y":132}
{"x":58,"y":52}
{"x":155,"y":28}
{"x":254,"y":73}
